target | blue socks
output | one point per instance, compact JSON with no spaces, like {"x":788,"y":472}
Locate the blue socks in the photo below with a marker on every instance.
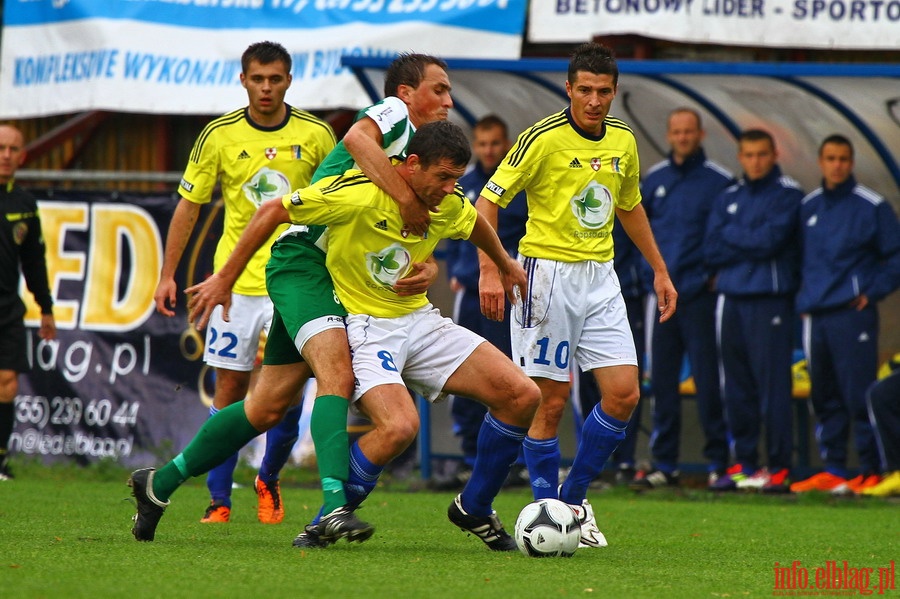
{"x":498,"y":447}
{"x":279,"y":444}
{"x":542,"y":460}
{"x":363,"y":476}
{"x":220,"y":479}
{"x":600,"y":436}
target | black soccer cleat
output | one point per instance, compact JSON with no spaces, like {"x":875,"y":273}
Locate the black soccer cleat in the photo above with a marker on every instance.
{"x":309,"y":539}
{"x":149,"y":508}
{"x":341,"y":523}
{"x":486,"y":528}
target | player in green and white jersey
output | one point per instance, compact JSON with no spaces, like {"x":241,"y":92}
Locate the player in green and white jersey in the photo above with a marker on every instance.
{"x":255,"y":153}
{"x":580,"y":170}
{"x":310,"y":313}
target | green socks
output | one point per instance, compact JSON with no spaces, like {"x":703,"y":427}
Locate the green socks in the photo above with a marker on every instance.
{"x":218,"y":438}
{"x":328,"y":426}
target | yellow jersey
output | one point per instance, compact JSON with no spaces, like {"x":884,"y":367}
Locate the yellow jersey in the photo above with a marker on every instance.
{"x":253,"y":164}
{"x":369,"y":247}
{"x":573,"y":183}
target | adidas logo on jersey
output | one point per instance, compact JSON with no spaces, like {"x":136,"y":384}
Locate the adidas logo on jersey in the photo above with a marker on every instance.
{"x":382,"y":224}
{"x":243,"y":155}
{"x":574,"y":163}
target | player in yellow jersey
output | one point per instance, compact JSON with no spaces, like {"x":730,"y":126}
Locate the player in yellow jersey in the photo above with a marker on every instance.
{"x":257,"y":153}
{"x":580,"y":171}
{"x":402,"y":341}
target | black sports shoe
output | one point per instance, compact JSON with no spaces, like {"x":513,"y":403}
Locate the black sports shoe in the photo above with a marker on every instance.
{"x":486,"y":528}
{"x":309,"y":539}
{"x":149,"y":508}
{"x":5,"y":472}
{"x":341,"y":523}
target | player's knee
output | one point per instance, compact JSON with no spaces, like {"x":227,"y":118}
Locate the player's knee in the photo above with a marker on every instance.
{"x":336,"y":383}
{"x":399,"y":434}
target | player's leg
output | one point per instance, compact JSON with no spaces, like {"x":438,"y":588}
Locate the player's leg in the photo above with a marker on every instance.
{"x":229,"y":430}
{"x":231,"y":348}
{"x":12,"y":361}
{"x":511,"y":398}
{"x":541,"y":329}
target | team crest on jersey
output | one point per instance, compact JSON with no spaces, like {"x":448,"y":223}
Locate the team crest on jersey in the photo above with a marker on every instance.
{"x":595,"y":164}
{"x":296,"y":152}
{"x":19,"y":232}
{"x":389,"y":265}
{"x":271,"y":153}
{"x":405,"y":232}
{"x":266,"y":184}
{"x":593,"y":206}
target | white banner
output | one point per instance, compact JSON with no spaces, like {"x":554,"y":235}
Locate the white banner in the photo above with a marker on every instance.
{"x":183,"y":56}
{"x":844,"y":24}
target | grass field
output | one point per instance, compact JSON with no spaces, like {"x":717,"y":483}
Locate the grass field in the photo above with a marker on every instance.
{"x":64,"y":532}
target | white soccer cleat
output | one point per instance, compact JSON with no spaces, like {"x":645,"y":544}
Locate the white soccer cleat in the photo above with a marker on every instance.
{"x":590,"y":533}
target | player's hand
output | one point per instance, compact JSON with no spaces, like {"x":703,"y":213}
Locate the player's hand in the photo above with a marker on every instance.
{"x":666,"y":296}
{"x":204,"y":297}
{"x":515,"y":282}
{"x":48,"y":327}
{"x":419,"y":279}
{"x":860,"y":302}
{"x":492,"y":294}
{"x":165,"y":296}
{"x":415,"y":215}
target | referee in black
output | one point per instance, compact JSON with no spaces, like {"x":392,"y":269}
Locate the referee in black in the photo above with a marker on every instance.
{"x":21,"y":248}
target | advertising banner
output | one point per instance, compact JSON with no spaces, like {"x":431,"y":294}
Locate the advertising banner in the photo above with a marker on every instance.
{"x":120,"y":381}
{"x":183,"y":56}
{"x":843,"y":24}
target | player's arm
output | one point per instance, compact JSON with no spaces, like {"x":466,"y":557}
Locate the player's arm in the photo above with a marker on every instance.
{"x":490,"y":287}
{"x":180,"y":229}
{"x":637,"y":226}
{"x":216,"y":290}
{"x":363,"y":142}
{"x":419,"y":279}
{"x":508,"y":272}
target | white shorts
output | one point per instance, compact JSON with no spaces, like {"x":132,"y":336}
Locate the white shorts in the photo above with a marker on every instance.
{"x":234,"y":345}
{"x":419,"y":350}
{"x":573,"y":309}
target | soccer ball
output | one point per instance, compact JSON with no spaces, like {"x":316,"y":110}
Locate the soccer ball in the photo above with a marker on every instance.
{"x":547,"y":528}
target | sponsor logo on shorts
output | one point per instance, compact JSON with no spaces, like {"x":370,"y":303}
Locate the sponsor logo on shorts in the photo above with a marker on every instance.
{"x":495,"y":188}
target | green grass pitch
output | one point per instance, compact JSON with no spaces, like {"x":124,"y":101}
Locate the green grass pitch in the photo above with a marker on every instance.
{"x":65,"y":532}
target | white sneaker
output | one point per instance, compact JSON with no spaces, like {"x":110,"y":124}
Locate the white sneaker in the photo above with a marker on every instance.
{"x":590,"y":533}
{"x":756,"y":481}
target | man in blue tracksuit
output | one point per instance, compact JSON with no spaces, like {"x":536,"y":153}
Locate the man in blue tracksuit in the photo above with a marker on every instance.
{"x":489,"y":145}
{"x":851,"y":260}
{"x":678,"y":194}
{"x":752,"y":242}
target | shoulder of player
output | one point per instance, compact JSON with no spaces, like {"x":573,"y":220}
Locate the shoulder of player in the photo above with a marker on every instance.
{"x":311,"y":119}
{"x":534,"y":137}
{"x":618,"y":125}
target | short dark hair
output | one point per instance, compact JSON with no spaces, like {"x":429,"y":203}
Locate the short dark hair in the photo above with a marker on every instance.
{"x":836,"y":138}
{"x":408,"y":69}
{"x":489,"y":121}
{"x":756,"y":135}
{"x":594,"y":58}
{"x":265,"y":53}
{"x":440,"y":140}
{"x":686,"y":110}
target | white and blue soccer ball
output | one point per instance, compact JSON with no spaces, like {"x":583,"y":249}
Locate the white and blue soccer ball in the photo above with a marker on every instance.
{"x":547,"y":528}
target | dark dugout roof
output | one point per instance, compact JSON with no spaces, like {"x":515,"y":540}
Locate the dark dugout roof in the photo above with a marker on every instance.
{"x":799,"y":104}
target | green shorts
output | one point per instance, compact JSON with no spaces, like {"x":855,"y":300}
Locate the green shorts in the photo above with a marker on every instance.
{"x":303,"y":297}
